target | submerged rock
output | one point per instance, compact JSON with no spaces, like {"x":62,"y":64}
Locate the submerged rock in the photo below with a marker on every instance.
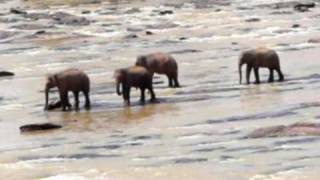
{"x":6,"y":34}
{"x":69,"y":19}
{"x":314,"y":40}
{"x":164,"y":25}
{"x":131,"y":36}
{"x":303,"y":7}
{"x":31,"y":26}
{"x":39,"y":127}
{"x":6,"y":73}
{"x":297,"y":129}
{"x":17,"y":11}
{"x":165,"y":12}
{"x":59,"y":18}
{"x":253,"y":20}
{"x":295,"y":25}
{"x":149,"y":33}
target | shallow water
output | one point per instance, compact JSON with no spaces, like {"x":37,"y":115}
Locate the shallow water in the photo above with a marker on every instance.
{"x":195,"y":131}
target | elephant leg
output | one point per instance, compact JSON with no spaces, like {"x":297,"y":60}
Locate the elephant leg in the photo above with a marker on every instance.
{"x":76,"y":99}
{"x":142,"y":98}
{"x":170,"y":81}
{"x":152,"y":94}
{"x":281,"y":78}
{"x":175,"y":79}
{"x":248,"y":72}
{"x":65,"y":101}
{"x":87,"y":99}
{"x":126,"y":96}
{"x":271,"y":78}
{"x":256,"y":73}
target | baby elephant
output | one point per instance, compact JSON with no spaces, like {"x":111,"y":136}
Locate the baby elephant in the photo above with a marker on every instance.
{"x":260,"y":57}
{"x":69,"y":80}
{"x":135,"y":76}
{"x":160,"y":63}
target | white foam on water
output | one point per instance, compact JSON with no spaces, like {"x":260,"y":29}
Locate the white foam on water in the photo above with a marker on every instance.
{"x":293,"y":174}
{"x":91,"y":174}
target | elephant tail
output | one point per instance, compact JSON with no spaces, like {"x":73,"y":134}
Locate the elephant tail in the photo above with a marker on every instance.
{"x":240,"y":73}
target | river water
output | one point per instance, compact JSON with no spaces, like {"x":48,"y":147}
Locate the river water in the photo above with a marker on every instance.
{"x":196,"y":131}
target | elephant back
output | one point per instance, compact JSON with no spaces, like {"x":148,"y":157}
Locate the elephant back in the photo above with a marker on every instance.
{"x":74,"y":80}
{"x":267,"y":57}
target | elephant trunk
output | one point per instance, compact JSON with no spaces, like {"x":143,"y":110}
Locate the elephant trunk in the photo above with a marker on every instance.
{"x":240,"y":72}
{"x":47,"y":98}
{"x":118,"y":88}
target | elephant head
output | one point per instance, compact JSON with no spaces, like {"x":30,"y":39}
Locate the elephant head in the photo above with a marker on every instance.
{"x":244,"y":59}
{"x":52,"y":82}
{"x":119,"y":76}
{"x":141,"y":61}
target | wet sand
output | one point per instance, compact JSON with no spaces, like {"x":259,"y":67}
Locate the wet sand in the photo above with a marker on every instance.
{"x":195,"y":131}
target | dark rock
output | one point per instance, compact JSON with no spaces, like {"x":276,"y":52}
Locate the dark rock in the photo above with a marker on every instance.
{"x":281,"y":12}
{"x":184,"y":51}
{"x":36,"y":16}
{"x":307,"y":5}
{"x":68,"y":19}
{"x":85,"y":12}
{"x":297,"y":129}
{"x":295,"y":25}
{"x":39,"y":127}
{"x":282,"y":31}
{"x":303,"y":7}
{"x":40,"y":32}
{"x":131,"y":36}
{"x":242,"y":8}
{"x":149,"y":33}
{"x":134,"y":29}
{"x":183,"y":38}
{"x":234,"y":43}
{"x":252,"y":20}
{"x":6,"y":73}
{"x":132,"y":11}
{"x":314,"y":40}
{"x":165,"y":12}
{"x":17,"y":11}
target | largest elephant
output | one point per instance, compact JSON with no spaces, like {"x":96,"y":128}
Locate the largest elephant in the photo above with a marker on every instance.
{"x":260,"y":58}
{"x":160,"y":63}
{"x":73,"y":80}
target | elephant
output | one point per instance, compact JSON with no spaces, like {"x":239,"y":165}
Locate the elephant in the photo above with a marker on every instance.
{"x":73,"y":80}
{"x":134,"y":76}
{"x":260,"y":57}
{"x":160,"y":63}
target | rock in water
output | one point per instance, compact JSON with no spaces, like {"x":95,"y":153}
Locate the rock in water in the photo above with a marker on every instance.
{"x":39,"y":127}
{"x":17,"y":11}
{"x":165,"y":12}
{"x":6,"y":73}
{"x":68,"y":19}
{"x":303,"y":7}
{"x":297,"y":129}
{"x":314,"y":40}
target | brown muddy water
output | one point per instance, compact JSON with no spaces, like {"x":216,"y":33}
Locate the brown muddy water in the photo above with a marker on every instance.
{"x":195,"y":131}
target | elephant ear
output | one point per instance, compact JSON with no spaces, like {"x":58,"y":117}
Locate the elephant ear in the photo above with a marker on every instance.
{"x":119,"y":74}
{"x":141,"y":60}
